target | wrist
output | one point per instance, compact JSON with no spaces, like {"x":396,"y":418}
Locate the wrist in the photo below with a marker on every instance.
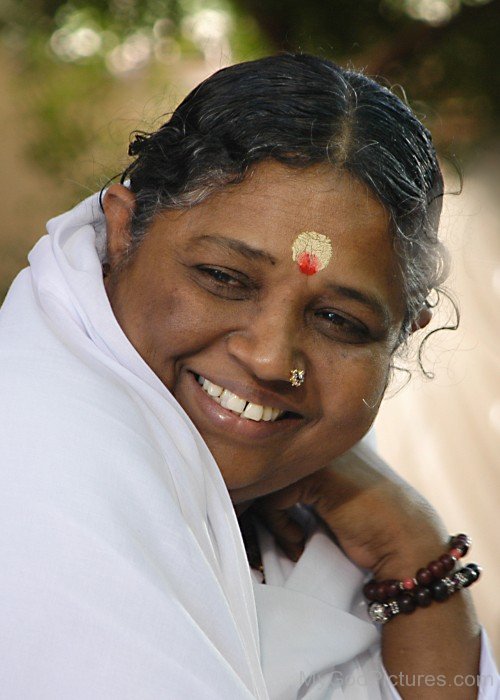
{"x":437,"y":580}
{"x":408,"y":557}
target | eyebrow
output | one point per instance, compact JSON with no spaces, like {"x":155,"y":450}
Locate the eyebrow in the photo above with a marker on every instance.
{"x":238,"y":246}
{"x":371,"y":301}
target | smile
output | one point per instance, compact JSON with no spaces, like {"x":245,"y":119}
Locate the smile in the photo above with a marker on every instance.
{"x":241,"y":406}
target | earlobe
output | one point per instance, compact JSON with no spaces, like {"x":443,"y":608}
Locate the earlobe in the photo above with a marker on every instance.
{"x":422,"y":320}
{"x":118,"y":205}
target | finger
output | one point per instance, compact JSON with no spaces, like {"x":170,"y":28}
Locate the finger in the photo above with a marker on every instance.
{"x":287,"y":532}
{"x":292,"y":551}
{"x":281,"y":524}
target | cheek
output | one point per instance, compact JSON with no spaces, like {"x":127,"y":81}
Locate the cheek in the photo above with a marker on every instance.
{"x":351,"y":383}
{"x":175,"y":327}
{"x":179,"y":325}
{"x":353,"y":386}
{"x":163,"y":324}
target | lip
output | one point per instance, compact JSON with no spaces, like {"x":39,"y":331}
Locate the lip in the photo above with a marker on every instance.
{"x":208,"y":410}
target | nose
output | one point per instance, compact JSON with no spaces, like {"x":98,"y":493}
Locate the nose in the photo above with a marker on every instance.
{"x":268,"y":345}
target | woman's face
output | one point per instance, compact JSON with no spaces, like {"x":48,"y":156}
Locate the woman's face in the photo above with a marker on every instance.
{"x":213,"y":292}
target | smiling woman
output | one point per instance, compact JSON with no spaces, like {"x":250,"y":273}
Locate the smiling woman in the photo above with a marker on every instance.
{"x":186,"y":509}
{"x":226,"y":303}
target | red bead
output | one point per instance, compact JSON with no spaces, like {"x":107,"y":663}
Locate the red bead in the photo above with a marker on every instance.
{"x":447,"y":561}
{"x":408,"y":584}
{"x":456,"y":553}
{"x":424,"y":576}
{"x":436,"y":569}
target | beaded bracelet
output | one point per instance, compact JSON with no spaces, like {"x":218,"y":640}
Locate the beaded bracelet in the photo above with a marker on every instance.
{"x":422,"y":596}
{"x":381,"y":591}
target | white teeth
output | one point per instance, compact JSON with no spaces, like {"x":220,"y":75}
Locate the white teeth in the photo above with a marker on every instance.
{"x":212,"y":389}
{"x":267,"y":413}
{"x":253,"y":411}
{"x":234,"y":403}
{"x":226,"y":398}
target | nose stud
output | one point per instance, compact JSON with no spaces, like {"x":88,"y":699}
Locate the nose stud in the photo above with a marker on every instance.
{"x":297,"y":377}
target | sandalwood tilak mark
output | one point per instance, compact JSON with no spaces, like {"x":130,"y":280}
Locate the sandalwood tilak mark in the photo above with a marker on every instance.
{"x":311,"y":251}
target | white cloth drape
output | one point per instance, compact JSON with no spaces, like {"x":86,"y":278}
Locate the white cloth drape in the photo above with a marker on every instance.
{"x":122,"y":569}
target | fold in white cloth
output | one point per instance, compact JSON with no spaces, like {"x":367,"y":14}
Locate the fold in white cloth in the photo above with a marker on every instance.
{"x":122,"y":568}
{"x":317,"y":642}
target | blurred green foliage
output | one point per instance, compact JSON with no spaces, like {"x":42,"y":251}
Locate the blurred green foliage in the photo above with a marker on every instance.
{"x":71,"y":58}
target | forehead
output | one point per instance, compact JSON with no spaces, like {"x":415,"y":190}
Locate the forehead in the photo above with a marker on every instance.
{"x":275,"y":204}
{"x":320,"y":197}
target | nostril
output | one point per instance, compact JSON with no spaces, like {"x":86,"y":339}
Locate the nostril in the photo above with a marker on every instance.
{"x":265,"y":353}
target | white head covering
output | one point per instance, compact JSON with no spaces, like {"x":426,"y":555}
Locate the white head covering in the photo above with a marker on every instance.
{"x":123,"y":572}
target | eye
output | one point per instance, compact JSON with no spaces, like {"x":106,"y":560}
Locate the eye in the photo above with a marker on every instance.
{"x":220,"y":275}
{"x":224,"y":282}
{"x":342,"y":327}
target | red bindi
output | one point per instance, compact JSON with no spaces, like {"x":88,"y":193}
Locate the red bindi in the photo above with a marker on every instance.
{"x":311,"y":251}
{"x":308,"y":263}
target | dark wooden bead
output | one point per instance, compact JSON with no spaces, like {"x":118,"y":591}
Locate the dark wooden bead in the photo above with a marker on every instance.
{"x":369,"y":590}
{"x":461,"y":542}
{"x":436,"y":569}
{"x":447,"y":561}
{"x":462,"y":547}
{"x":473,"y":572}
{"x":476,"y":568}
{"x":381,"y":592}
{"x":469,"y":575}
{"x":423,"y":597}
{"x":392,"y":589}
{"x":439,"y":591}
{"x":424,"y":577}
{"x":406,"y":603}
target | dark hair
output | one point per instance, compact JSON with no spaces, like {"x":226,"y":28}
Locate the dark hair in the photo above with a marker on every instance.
{"x":299,"y":110}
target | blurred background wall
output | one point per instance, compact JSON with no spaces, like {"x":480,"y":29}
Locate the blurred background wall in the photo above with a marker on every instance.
{"x":77,"y":77}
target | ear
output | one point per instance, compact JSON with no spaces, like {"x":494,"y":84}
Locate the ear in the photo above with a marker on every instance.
{"x":424,"y":317}
{"x":118,"y":205}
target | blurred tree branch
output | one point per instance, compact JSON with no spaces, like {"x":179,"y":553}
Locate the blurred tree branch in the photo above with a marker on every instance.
{"x":449,"y":65}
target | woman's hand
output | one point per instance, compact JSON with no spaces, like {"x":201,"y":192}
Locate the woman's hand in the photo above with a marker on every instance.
{"x":379,"y":520}
{"x":384,"y":524}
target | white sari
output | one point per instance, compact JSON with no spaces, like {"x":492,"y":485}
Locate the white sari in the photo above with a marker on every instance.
{"x":123,"y":573}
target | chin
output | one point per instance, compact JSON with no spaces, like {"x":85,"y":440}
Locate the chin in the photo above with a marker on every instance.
{"x":247,"y":484}
{"x":239,"y":474}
